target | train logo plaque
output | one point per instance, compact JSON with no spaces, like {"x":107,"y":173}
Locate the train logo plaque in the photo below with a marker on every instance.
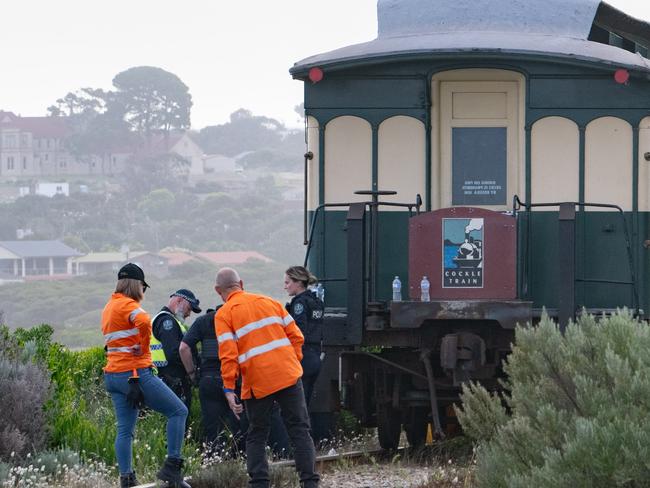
{"x":462,"y":253}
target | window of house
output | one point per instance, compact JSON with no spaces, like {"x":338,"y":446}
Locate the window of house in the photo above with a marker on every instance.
{"x":46,"y":156}
{"x":10,"y":140}
{"x":24,"y":162}
{"x":10,"y":162}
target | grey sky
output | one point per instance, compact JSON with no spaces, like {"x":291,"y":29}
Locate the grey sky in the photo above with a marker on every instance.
{"x":230,"y":54}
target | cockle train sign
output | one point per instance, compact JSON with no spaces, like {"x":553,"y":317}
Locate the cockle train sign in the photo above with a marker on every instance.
{"x":463,"y":248}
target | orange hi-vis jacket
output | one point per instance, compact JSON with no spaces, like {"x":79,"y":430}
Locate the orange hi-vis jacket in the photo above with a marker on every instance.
{"x":258,"y":337}
{"x":127,"y":332}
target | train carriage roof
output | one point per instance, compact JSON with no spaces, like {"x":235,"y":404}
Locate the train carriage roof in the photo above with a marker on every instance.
{"x":558,"y":29}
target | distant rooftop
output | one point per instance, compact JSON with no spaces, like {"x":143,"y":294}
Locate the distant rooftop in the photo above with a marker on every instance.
{"x":232,"y":257}
{"x":109,"y":257}
{"x":176,"y":258}
{"x":557,"y":28}
{"x":40,"y":127}
{"x":39,"y":249}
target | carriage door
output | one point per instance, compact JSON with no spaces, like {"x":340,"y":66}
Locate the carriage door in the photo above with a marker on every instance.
{"x":480,"y":161}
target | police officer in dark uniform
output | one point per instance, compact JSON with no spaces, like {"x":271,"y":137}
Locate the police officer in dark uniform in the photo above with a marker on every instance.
{"x":168,"y":329}
{"x":217,"y":418}
{"x":307,"y":310}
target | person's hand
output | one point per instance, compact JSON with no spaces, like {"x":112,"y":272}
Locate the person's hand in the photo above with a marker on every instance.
{"x":135,"y":397}
{"x":136,"y":350}
{"x":234,"y":404}
{"x":194,"y":378}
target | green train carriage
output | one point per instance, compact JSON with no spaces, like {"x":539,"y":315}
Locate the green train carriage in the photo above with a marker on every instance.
{"x":531,"y":117}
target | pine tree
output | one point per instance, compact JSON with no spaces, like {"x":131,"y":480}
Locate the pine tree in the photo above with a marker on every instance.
{"x":575,"y":408}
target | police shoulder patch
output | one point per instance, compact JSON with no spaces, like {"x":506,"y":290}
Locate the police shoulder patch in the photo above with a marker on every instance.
{"x":298,"y":308}
{"x":168,"y":324}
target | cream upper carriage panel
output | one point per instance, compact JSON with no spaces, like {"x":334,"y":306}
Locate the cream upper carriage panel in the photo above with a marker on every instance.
{"x":401,"y":160}
{"x":644,"y":165}
{"x":609,"y":163}
{"x":555,"y":161}
{"x":348,"y":159}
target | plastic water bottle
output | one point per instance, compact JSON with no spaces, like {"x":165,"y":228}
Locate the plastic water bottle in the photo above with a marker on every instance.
{"x":397,"y":289}
{"x":424,"y":290}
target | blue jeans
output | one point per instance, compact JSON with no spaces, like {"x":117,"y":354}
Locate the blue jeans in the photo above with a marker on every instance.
{"x":158,"y":397}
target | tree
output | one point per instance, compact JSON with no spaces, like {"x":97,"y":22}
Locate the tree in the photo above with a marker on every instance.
{"x":158,"y":204}
{"x":577,"y":408}
{"x":95,"y":120}
{"x":244,"y":132}
{"x":148,"y":172}
{"x":82,"y":102}
{"x":152,"y":99}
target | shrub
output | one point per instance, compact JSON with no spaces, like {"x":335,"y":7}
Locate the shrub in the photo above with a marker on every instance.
{"x":577,"y":405}
{"x":25,"y":388}
{"x":5,"y":468}
{"x":83,"y":419}
{"x":54,"y":461}
{"x":58,"y":469}
{"x":227,"y":474}
{"x":284,"y":477}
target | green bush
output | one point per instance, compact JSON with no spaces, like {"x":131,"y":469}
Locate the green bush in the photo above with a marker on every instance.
{"x":576,"y":410}
{"x":83,"y":418}
{"x":68,"y":409}
{"x":25,"y":387}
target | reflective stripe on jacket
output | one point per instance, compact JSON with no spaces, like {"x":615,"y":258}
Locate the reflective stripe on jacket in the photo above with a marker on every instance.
{"x":157,"y":351}
{"x":127,"y":330}
{"x":258,"y":337}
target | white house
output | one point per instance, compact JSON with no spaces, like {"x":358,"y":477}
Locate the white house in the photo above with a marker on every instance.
{"x":46,"y":189}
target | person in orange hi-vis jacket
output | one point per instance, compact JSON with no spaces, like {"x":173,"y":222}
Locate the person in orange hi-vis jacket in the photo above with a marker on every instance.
{"x":131,"y":382}
{"x":260,"y":340}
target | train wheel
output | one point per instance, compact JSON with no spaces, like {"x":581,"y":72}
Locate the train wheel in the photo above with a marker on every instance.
{"x":388,"y":427}
{"x":416,"y":428}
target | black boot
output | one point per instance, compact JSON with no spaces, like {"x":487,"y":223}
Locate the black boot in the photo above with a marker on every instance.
{"x":127,"y":480}
{"x":171,"y":473}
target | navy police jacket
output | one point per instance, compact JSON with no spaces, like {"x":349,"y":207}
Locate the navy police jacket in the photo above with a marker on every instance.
{"x":307,"y":311}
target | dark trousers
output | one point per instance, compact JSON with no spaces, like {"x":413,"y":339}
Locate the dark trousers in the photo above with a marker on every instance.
{"x":310,"y":369}
{"x":221,"y":429}
{"x":294,"y":413}
{"x":183,"y":390}
{"x":278,"y":436}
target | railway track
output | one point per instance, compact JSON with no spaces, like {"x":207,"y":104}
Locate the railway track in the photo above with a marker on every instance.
{"x":322,"y":460}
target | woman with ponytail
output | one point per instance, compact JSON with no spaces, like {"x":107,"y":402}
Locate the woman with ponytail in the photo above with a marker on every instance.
{"x":307,"y":310}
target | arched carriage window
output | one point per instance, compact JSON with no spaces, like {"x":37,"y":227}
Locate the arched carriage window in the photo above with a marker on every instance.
{"x":402,"y":159}
{"x":555,"y":165}
{"x":348,"y":159}
{"x":608,"y":162}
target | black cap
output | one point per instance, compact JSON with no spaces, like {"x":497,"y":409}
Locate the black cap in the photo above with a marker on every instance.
{"x":132,"y":271}
{"x":189,"y":296}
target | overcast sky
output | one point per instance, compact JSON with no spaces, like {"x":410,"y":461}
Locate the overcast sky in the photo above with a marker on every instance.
{"x":231,"y":54}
